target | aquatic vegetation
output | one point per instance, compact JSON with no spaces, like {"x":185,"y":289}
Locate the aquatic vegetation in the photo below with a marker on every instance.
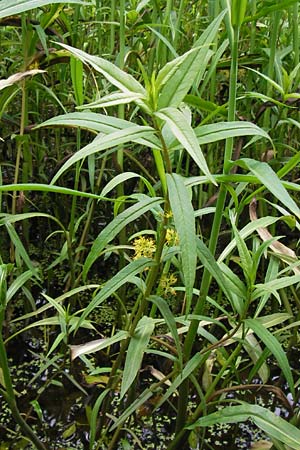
{"x":150,"y":249}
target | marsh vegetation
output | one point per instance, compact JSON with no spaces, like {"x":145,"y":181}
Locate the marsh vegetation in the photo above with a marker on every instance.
{"x":149,"y":224}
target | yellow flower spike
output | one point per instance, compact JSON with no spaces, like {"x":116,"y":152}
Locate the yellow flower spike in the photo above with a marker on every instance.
{"x":172,"y":237}
{"x":144,"y":247}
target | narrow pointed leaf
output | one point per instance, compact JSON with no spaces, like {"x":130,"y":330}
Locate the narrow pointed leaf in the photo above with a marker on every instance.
{"x":115,"y":226}
{"x":105,"y":142}
{"x":177,"y":77}
{"x":186,"y":136}
{"x":270,"y":180}
{"x":189,"y":368}
{"x":222,"y":130}
{"x":113,"y":284}
{"x":273,"y":425}
{"x":99,"y":123}
{"x":184,"y":219}
{"x":170,"y":321}
{"x":275,"y":348}
{"x":122,"y":80}
{"x":117,"y":98}
{"x":13,"y":7}
{"x":135,"y":353}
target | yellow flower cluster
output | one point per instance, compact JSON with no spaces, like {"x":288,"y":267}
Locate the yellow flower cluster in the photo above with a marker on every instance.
{"x":144,"y":247}
{"x":172,"y":237}
{"x":166,"y":283}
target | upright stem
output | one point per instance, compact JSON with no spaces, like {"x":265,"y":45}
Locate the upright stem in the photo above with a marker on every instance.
{"x":295,"y":25}
{"x":206,"y":279}
{"x":9,"y":393}
{"x":274,"y":26}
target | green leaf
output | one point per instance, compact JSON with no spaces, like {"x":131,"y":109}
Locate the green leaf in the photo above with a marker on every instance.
{"x":274,"y":285}
{"x":124,"y":177}
{"x":21,"y":249}
{"x":117,"y":98}
{"x":170,"y":321}
{"x":132,"y":407}
{"x":103,"y":143}
{"x":270,"y":180}
{"x":273,"y":425}
{"x":209,"y":262}
{"x":77,"y":79}
{"x":189,"y":368}
{"x":18,"y":283}
{"x":99,"y":123}
{"x":114,"y":283}
{"x":222,"y":130}
{"x":266,"y":10}
{"x":184,"y":219}
{"x":186,"y":136}
{"x":244,"y":254}
{"x":122,"y":80}
{"x":115,"y":226}
{"x":275,"y":348}
{"x":13,"y":7}
{"x":135,"y":353}
{"x":94,"y":417}
{"x":250,"y":228}
{"x":176,"y":78}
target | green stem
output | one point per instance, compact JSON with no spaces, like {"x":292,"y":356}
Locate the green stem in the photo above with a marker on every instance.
{"x":9,"y":393}
{"x":206,"y":279}
{"x":274,"y":26}
{"x":181,"y":437}
{"x":295,"y":25}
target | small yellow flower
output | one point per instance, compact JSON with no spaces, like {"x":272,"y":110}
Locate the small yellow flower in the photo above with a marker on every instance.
{"x":172,"y":237}
{"x":166,"y":283}
{"x":144,"y":247}
{"x":168,"y":214}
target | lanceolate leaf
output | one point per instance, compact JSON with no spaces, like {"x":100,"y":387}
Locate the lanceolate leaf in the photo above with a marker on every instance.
{"x":117,"y":98}
{"x":115,"y":226}
{"x":113,"y":284}
{"x":136,"y":349}
{"x":269,"y":178}
{"x":274,"y":346}
{"x":222,"y":130}
{"x":109,"y":141}
{"x":223,"y":280}
{"x":13,"y":7}
{"x":184,"y":219}
{"x":170,"y":321}
{"x":273,"y":425}
{"x":122,"y":80}
{"x":99,"y":123}
{"x":177,"y":77}
{"x":186,"y":136}
{"x":191,"y":365}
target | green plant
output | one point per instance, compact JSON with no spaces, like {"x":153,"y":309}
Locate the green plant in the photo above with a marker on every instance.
{"x":192,"y":283}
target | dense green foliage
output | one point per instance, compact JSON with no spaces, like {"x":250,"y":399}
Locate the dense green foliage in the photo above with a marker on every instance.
{"x":149,"y":168}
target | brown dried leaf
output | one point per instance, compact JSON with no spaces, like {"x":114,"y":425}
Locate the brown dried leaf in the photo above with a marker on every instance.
{"x":285,"y":253}
{"x":18,"y":77}
{"x":261,"y":445}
